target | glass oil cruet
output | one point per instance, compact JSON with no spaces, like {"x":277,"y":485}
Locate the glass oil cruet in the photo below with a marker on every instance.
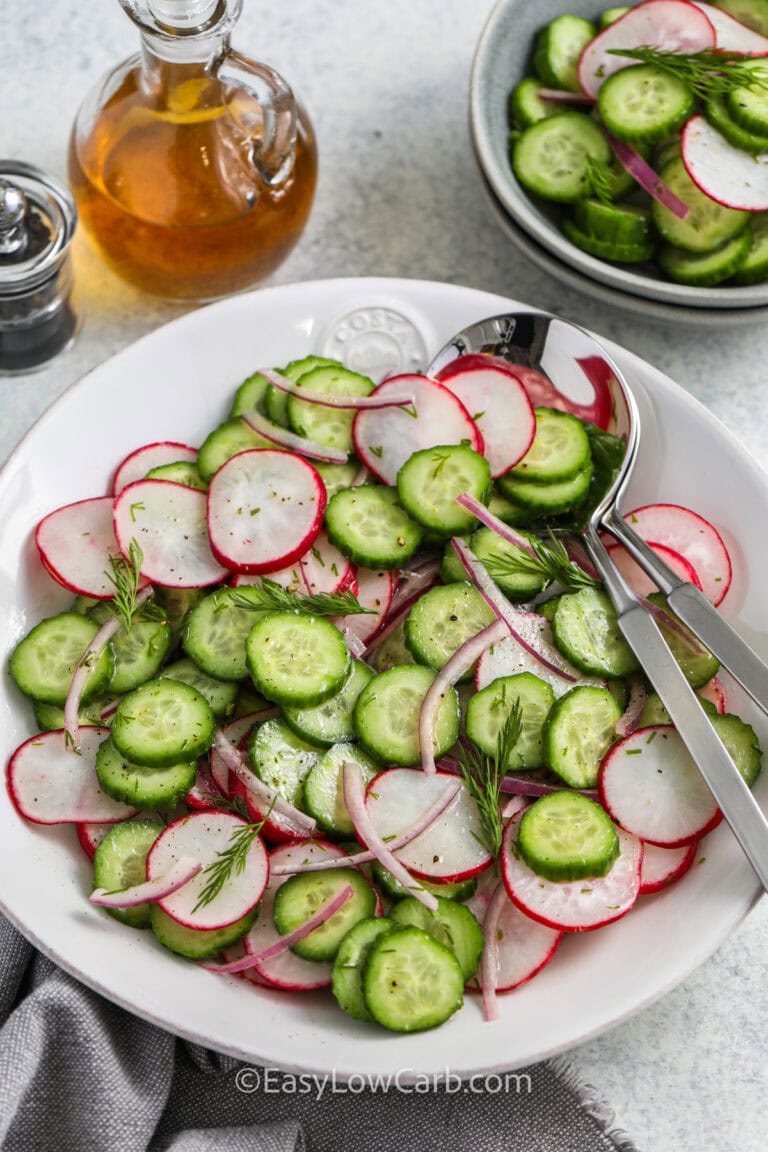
{"x":193,"y":167}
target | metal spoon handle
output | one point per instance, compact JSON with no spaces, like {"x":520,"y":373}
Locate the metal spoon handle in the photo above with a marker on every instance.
{"x":726,"y":783}
{"x":696,"y":612}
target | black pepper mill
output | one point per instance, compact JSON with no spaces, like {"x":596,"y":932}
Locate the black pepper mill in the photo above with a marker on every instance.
{"x":37,"y":222}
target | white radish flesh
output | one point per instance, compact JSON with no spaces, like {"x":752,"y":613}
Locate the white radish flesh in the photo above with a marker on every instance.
{"x":374,"y":591}
{"x":385,"y":440}
{"x":499,"y":405}
{"x":203,"y":836}
{"x":136,"y":465}
{"x":688,"y":533}
{"x":650,"y":784}
{"x":51,"y":784}
{"x":730,"y":34}
{"x":76,"y":543}
{"x":265,"y":510}
{"x":663,"y":866}
{"x":324,"y":568}
{"x":726,"y":174}
{"x":508,"y":657}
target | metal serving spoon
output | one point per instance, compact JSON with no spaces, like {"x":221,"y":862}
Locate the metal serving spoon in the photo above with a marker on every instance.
{"x":579,"y":374}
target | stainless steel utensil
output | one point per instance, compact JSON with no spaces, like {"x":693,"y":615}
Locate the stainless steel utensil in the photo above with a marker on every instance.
{"x":583,"y":375}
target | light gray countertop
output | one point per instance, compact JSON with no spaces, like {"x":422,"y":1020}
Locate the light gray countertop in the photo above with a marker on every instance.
{"x":386,"y":85}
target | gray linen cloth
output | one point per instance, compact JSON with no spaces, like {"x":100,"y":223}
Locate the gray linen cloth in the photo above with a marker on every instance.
{"x":78,"y":1074}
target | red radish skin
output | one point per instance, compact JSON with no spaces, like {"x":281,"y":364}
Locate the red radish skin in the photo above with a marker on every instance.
{"x":168,"y":522}
{"x":639,"y":582}
{"x":203,"y":836}
{"x":48,"y":783}
{"x":664,"y":866}
{"x":573,"y":905}
{"x":730,"y":34}
{"x":265,"y":509}
{"x":650,"y":785}
{"x":727,"y":175}
{"x":524,"y":946}
{"x":499,"y":405}
{"x":136,"y":465}
{"x":76,"y":543}
{"x":715,"y":693}
{"x":385,"y":440}
{"x":675,"y":25}
{"x":693,"y":537}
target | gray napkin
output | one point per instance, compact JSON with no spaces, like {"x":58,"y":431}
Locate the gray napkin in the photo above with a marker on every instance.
{"x":78,"y":1074}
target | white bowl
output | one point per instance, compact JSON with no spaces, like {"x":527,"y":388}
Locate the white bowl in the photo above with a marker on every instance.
{"x":502,"y":58}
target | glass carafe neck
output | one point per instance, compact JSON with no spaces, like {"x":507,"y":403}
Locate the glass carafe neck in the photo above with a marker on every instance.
{"x":184,"y":31}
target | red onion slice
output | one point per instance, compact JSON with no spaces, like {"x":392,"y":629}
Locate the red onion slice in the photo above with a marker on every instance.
{"x":266,"y":797}
{"x":489,"y":965}
{"x":630,"y":720}
{"x":316,"y":920}
{"x":461,"y":661}
{"x":282,"y":438}
{"x":481,"y":513}
{"x":326,"y":400}
{"x":354,"y":798}
{"x":560,"y":95}
{"x":648,"y":179}
{"x":179,"y":874}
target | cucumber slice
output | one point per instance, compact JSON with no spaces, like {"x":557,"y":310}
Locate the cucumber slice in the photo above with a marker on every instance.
{"x":197,"y":943}
{"x":331,"y":722}
{"x":603,"y":249}
{"x":411,"y":982}
{"x":49,"y":717}
{"x":749,"y":105}
{"x":44,"y":662}
{"x":451,"y":890}
{"x":707,"y":225}
{"x":369,"y":526}
{"x":120,"y":861}
{"x":718,"y":114}
{"x":654,"y":713}
{"x":224,"y":442}
{"x":276,"y":402}
{"x":138,"y":653}
{"x":697,"y":663}
{"x":300,"y":896}
{"x":551,"y":158}
{"x":642,"y":104}
{"x":176,"y":602}
{"x":526,"y":106}
{"x":567,"y":836}
{"x":442,"y":620}
{"x":252,"y":393}
{"x":393,"y":650}
{"x":611,"y":15}
{"x":221,"y":695}
{"x":742,"y":743}
{"x":558,"y":48}
{"x":548,"y":499}
{"x":163,"y":723}
{"x":150,"y":788}
{"x":624,"y":225}
{"x":498,"y":556}
{"x":507,"y":510}
{"x":754,"y":267}
{"x":586,"y":630}
{"x":296,"y":660}
{"x":387,"y":716}
{"x":753,"y":13}
{"x":430,"y":480}
{"x":705,"y":269}
{"x":281,"y":759}
{"x":452,"y":925}
{"x":347,"y":980}
{"x":180,"y":472}
{"x":548,"y":608}
{"x":329,"y":426}
{"x":336,"y":477}
{"x":215,"y":631}
{"x":324,"y":787}
{"x":578,"y":732}
{"x":489,"y":709}
{"x":559,"y":451}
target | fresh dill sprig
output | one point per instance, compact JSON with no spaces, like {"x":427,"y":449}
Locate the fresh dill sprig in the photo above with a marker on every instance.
{"x":483,"y":776}
{"x":710,"y":72}
{"x":230,"y":861}
{"x":600,"y":180}
{"x":124,"y":577}
{"x":268,"y":596}
{"x":551,"y":560}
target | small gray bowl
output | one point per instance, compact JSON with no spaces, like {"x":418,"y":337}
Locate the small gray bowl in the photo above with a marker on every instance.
{"x":502,"y":58}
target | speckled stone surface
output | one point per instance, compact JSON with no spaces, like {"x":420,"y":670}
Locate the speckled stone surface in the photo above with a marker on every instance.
{"x":386,"y":85}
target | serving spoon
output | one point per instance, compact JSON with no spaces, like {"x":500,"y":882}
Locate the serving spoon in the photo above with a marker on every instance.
{"x":564,"y":366}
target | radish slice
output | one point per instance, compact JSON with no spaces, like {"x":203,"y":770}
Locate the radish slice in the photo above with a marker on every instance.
{"x":290,"y":578}
{"x":136,"y":465}
{"x":168,"y":521}
{"x":499,"y":405}
{"x":265,"y":510}
{"x":282,"y":812}
{"x":204,"y":795}
{"x":648,"y":179}
{"x":76,"y":543}
{"x":629,"y":721}
{"x":727,"y":175}
{"x":522,"y":946}
{"x":452,"y":847}
{"x":179,"y":874}
{"x":357,"y":403}
{"x":639,"y":582}
{"x":316,"y":920}
{"x":49,"y":784}
{"x":282,"y":438}
{"x":374,"y":591}
{"x":204,"y":836}
{"x":508,"y":657}
{"x":461,"y":661}
{"x":730,"y":34}
{"x":573,"y":905}
{"x":715,"y":693}
{"x":385,"y":440}
{"x":324,"y":568}
{"x":693,"y":537}
{"x":367,"y":833}
{"x":649,"y":783}
{"x":674,"y":25}
{"x":90,"y":836}
{"x":662,"y":866}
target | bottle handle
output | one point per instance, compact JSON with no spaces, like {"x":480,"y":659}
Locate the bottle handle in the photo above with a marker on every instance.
{"x":273,"y":132}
